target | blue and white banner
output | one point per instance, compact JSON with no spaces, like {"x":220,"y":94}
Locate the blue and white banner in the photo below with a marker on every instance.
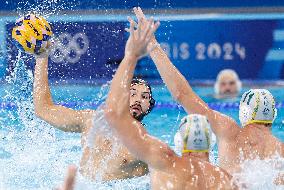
{"x":92,"y":50}
{"x":83,"y":50}
{"x":128,"y":4}
{"x":200,"y":49}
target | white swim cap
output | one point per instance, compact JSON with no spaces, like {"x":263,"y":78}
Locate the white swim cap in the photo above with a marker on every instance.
{"x":194,"y":134}
{"x":257,"y":106}
{"x":227,"y":72}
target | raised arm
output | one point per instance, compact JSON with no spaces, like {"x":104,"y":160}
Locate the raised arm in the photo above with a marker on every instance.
{"x":130,"y":131}
{"x":145,"y":147}
{"x":181,"y":91}
{"x":60,"y":117}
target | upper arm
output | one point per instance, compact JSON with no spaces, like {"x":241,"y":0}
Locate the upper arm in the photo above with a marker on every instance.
{"x":149,"y":149}
{"x":157,"y":153}
{"x":64,"y":118}
{"x":222,"y":125}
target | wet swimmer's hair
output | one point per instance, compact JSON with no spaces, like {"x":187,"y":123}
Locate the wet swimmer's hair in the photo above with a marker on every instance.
{"x":257,"y":106}
{"x":152,"y":100}
{"x":194,"y":134}
{"x":227,"y":72}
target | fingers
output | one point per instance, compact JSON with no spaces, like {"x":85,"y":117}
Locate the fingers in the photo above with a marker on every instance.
{"x":152,"y":31}
{"x":148,"y":28}
{"x":140,"y":16}
{"x":135,"y":26}
{"x":138,"y":12}
{"x":144,"y":33}
{"x":139,"y":27}
{"x":132,"y":24}
{"x":70,"y":178}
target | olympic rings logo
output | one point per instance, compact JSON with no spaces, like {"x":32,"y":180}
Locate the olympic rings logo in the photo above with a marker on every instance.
{"x":67,"y":48}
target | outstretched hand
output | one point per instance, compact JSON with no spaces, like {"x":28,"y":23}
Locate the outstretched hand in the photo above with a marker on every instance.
{"x":141,"y":17}
{"x":139,"y":38}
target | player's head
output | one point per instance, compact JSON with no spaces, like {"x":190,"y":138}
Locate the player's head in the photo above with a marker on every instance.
{"x":141,"y":99}
{"x":194,"y":136}
{"x":227,"y":83}
{"x":257,"y":106}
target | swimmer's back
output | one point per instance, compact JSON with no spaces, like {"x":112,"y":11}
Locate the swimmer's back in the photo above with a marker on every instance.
{"x":248,"y":144}
{"x":204,"y":176}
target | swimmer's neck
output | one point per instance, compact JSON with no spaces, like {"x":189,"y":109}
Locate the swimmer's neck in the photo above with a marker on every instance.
{"x":199,"y":155}
{"x":265,"y":129}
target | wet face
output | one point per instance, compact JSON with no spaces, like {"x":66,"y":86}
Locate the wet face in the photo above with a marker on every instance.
{"x":139,"y":100}
{"x":228,"y":85}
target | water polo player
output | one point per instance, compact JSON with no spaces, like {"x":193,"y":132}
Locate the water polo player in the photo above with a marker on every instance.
{"x":227,"y":84}
{"x":194,"y":137}
{"x":97,"y":142}
{"x":235,"y":144}
{"x":168,"y":170}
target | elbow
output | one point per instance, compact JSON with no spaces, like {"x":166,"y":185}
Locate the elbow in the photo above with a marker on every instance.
{"x":39,"y":112}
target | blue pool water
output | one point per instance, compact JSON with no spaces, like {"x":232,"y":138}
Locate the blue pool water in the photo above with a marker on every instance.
{"x":33,"y":155}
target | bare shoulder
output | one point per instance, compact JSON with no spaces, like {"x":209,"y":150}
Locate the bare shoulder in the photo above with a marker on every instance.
{"x":224,"y":126}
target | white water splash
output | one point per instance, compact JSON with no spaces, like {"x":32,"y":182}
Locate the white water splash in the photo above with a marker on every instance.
{"x":260,"y":174}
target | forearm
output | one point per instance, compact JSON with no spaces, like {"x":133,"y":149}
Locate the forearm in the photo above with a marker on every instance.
{"x":143,"y":146}
{"x":176,"y":82}
{"x":118,"y":97}
{"x":41,"y":90}
{"x":170,"y":75}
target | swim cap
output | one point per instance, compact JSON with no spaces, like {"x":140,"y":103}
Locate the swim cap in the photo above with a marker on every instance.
{"x":227,"y":72}
{"x":194,"y":134}
{"x":257,"y":106}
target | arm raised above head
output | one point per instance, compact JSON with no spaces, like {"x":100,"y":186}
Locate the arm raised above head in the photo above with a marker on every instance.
{"x":223,"y":126}
{"x":154,"y":152}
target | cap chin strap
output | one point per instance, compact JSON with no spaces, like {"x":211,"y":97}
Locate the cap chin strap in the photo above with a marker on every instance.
{"x":187,"y":151}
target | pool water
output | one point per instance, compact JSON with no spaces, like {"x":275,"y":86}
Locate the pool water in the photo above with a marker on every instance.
{"x":34,"y":155}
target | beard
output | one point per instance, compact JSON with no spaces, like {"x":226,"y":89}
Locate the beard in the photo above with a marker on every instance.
{"x":138,"y":115}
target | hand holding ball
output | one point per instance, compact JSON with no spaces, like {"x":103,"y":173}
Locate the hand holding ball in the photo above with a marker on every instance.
{"x":31,"y":34}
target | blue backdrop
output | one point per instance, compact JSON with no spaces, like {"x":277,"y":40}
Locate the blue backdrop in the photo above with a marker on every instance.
{"x":127,"y":4}
{"x":199,"y":49}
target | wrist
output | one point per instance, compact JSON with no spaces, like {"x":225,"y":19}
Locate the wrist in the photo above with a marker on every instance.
{"x":131,"y":56}
{"x":152,"y":46}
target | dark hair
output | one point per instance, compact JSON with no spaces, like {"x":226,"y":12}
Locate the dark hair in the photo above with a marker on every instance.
{"x":152,"y":100}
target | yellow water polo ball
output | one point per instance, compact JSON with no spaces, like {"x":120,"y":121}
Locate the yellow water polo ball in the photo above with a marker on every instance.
{"x":31,"y":34}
